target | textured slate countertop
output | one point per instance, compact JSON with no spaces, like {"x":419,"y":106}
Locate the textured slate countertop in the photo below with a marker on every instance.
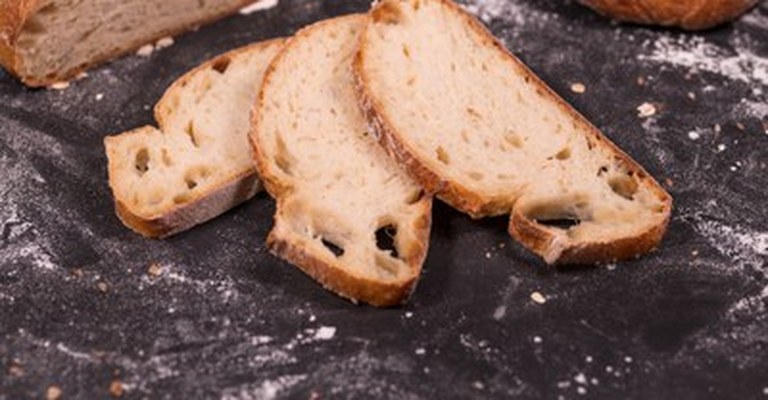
{"x":222,"y":318}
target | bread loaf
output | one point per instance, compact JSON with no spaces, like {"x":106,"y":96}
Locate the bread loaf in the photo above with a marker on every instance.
{"x":686,"y":14}
{"x":46,"y":41}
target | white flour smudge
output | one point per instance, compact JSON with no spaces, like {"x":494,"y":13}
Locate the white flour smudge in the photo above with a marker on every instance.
{"x":266,"y":390}
{"x":752,"y":109}
{"x":746,"y":247}
{"x":695,"y":53}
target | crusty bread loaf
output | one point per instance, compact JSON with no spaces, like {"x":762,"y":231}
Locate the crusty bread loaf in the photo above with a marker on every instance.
{"x":686,"y":14}
{"x":45,"y":41}
{"x":199,"y":163}
{"x":477,"y":127}
{"x":347,"y":215}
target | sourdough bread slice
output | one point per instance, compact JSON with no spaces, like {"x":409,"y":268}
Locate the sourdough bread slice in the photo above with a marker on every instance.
{"x":199,"y":164}
{"x":347,"y":215}
{"x":477,"y":127}
{"x":45,"y":41}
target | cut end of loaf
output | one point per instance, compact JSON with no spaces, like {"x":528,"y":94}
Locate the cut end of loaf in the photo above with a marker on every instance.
{"x":54,"y":41}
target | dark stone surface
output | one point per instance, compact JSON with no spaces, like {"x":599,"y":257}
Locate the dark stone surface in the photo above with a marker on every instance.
{"x":225,"y":319}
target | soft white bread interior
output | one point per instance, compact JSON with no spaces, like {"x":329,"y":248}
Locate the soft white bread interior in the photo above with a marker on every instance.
{"x":476,"y":126}
{"x":44,"y":41}
{"x":347,"y":215}
{"x":199,"y":163}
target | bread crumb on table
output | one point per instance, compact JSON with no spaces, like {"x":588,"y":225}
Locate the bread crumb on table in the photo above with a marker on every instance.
{"x":578,"y":87}
{"x":63,"y":85}
{"x":164,"y":42}
{"x":103,"y":287}
{"x":538,"y":298}
{"x":646,"y":110}
{"x":116,"y":388}
{"x":154,"y":270}
{"x":145,"y":51}
{"x":53,"y":393}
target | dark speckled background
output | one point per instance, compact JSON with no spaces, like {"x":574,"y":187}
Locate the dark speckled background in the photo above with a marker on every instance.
{"x":225,"y":319}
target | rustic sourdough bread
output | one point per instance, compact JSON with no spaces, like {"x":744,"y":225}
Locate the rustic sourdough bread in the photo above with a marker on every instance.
{"x":347,"y":215}
{"x":686,"y":14}
{"x":45,"y":41}
{"x":477,"y":127}
{"x":199,"y":163}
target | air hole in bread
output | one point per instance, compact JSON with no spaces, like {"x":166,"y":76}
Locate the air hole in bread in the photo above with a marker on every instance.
{"x":191,"y":183}
{"x":602,"y":170}
{"x":335,"y":249}
{"x":406,"y":51}
{"x":416,"y":5}
{"x":142,"y":161}
{"x":167,"y":160}
{"x":415,"y":197}
{"x":562,"y":213}
{"x":564,"y":223}
{"x":387,"y":266}
{"x":513,"y":139}
{"x":388,"y":12}
{"x":221,"y":65}
{"x":190,"y":131}
{"x":181,"y":198}
{"x":34,"y":26}
{"x":505,"y":176}
{"x":563,"y":154}
{"x":442,"y":155}
{"x":283,"y":159}
{"x":474,"y":113}
{"x":478,"y":176}
{"x":623,"y":185}
{"x":385,"y":239}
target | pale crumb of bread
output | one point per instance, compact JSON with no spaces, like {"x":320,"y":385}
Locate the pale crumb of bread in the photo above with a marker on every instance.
{"x":578,"y":87}
{"x":538,"y":298}
{"x":99,"y":96}
{"x":646,"y":110}
{"x":103,"y":287}
{"x":60,"y":85}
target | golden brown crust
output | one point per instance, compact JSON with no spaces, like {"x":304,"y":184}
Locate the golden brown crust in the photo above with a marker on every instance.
{"x":15,"y":13}
{"x":686,"y":14}
{"x":204,"y":206}
{"x":285,"y":244}
{"x":537,"y":238}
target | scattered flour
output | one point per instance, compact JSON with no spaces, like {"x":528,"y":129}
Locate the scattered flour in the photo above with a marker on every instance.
{"x":260,"y":5}
{"x":695,"y":53}
{"x":267,"y":390}
{"x":746,"y":247}
{"x":325,"y":333}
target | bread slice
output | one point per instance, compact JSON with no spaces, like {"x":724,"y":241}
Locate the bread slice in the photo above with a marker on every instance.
{"x":477,"y":127}
{"x":45,"y":41}
{"x":347,"y":215}
{"x":199,"y":163}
